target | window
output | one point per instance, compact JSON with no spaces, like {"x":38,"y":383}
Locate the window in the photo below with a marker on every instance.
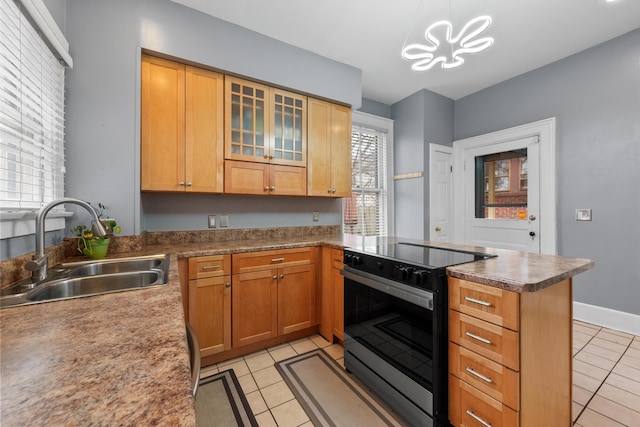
{"x":31,"y":114}
{"x":366,"y":212}
{"x":502,"y":181}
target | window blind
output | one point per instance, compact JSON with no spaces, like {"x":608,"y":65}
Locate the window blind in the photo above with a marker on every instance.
{"x":31,"y":115}
{"x":365,"y":212}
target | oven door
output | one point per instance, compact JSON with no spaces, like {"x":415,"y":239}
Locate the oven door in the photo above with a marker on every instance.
{"x":389,"y":329}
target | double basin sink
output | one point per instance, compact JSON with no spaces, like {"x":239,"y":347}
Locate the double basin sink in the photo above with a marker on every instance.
{"x":86,"y":278}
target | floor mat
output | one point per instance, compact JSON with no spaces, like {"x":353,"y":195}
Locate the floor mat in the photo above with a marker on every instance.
{"x":221,"y":402}
{"x":331,"y":396}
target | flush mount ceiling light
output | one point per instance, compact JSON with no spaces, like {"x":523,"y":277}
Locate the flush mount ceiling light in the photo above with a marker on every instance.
{"x":448,"y":50}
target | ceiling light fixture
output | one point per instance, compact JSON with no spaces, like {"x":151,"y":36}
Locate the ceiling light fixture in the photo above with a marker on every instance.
{"x":448,"y":52}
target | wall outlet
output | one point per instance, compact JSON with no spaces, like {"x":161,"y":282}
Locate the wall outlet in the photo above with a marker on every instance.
{"x":583,"y":214}
{"x":224,"y":220}
{"x":316,"y":216}
{"x":212,"y":221}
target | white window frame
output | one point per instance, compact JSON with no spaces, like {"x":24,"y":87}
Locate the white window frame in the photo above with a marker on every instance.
{"x":371,"y":121}
{"x":19,"y":219}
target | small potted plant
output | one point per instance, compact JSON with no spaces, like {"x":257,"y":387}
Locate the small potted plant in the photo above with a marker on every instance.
{"x":89,"y":242}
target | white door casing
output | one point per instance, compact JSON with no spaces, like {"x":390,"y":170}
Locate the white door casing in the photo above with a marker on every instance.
{"x":504,"y":233}
{"x":440,"y":193}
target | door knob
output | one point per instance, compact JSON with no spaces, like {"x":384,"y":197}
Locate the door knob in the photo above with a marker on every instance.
{"x":532,"y":233}
{"x":438,"y":229}
{"x":532,"y":217}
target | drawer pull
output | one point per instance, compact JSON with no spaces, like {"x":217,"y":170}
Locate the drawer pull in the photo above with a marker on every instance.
{"x":211,"y":267}
{"x":277,"y":259}
{"x":477,"y":301}
{"x":476,"y":337}
{"x":478,"y":419}
{"x":479,"y":375}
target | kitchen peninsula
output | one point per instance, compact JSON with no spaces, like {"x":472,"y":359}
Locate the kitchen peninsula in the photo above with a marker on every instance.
{"x":123,"y":358}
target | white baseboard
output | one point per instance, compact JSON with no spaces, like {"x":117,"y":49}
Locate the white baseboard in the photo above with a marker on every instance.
{"x":618,"y":320}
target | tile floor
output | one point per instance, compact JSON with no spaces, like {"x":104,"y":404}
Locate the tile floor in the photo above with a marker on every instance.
{"x":606,"y":379}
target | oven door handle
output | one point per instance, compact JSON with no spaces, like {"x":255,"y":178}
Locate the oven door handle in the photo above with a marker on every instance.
{"x":407,"y":293}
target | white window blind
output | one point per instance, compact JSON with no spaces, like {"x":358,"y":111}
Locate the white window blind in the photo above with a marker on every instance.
{"x":365,"y":213}
{"x":31,"y":115}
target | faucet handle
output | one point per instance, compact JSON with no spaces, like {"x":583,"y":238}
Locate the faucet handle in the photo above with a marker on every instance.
{"x":37,"y":263}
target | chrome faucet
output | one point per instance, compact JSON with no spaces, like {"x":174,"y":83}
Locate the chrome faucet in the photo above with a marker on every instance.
{"x":38,"y":264}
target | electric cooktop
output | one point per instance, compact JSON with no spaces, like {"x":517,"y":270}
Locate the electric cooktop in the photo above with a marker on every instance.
{"x":422,"y":255}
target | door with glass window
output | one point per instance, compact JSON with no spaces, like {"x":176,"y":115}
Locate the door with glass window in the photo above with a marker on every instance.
{"x":502,"y":210}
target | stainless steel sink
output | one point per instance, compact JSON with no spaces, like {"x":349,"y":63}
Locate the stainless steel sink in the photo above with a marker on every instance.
{"x":86,"y":278}
{"x":93,"y":285}
{"x":94,"y":268}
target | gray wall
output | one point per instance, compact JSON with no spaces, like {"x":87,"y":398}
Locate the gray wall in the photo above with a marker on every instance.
{"x":103,"y":107}
{"x":420,"y":119}
{"x":376,"y":108}
{"x":595,"y":96}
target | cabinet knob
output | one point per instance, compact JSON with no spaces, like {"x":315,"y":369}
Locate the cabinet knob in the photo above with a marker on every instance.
{"x":189,"y":184}
{"x":266,"y":188}
{"x":227,"y":285}
{"x":438,"y":229}
{"x":282,"y":276}
{"x":329,"y":191}
{"x":181,"y":183}
{"x":333,"y":190}
{"x":265,"y":155}
{"x":275,"y":277}
{"x":273,"y":188}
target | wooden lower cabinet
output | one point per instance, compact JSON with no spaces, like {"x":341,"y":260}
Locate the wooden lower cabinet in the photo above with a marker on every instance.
{"x":274,"y":293}
{"x":255,"y":307}
{"x":296,"y":298}
{"x":209,"y":307}
{"x":332,"y":324}
{"x":510,"y":358}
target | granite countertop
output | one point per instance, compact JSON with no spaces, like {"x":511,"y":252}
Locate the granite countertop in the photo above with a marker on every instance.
{"x":122,"y":358}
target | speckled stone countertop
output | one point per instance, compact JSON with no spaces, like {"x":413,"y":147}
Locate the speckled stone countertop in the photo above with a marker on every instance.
{"x":122,"y":358}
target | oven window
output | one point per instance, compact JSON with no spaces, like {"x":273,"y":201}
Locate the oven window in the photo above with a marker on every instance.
{"x":397,"y":331}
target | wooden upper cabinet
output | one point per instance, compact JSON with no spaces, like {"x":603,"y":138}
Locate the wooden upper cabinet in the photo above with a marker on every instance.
{"x":329,"y":149}
{"x":264,"y":124}
{"x":181,"y":127}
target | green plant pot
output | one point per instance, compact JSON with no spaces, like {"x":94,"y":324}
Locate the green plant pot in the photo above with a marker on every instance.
{"x":96,"y":249}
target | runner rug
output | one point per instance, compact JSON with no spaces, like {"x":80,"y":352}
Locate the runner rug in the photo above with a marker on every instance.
{"x":221,"y":402}
{"x":331,"y":396}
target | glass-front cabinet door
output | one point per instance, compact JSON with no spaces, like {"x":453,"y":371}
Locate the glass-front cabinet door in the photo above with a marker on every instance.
{"x":247,"y":131}
{"x":289,"y":128}
{"x":264,"y":124}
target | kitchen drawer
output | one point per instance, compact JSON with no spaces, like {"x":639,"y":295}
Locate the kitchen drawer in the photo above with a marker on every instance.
{"x":490,"y":377}
{"x":264,"y":260}
{"x":485,"y":302}
{"x":469,"y":407}
{"x":337,"y":255}
{"x":209,"y":266}
{"x":492,"y":341}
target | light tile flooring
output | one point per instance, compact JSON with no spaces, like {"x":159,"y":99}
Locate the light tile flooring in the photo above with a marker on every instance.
{"x":606,"y":379}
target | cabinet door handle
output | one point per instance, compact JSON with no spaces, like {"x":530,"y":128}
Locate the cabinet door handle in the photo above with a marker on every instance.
{"x":277,"y":259}
{"x":477,"y":301}
{"x":478,"y":374}
{"x":476,"y":337}
{"x":282,"y":276}
{"x":227,"y":285}
{"x":275,"y":277}
{"x":273,"y":188}
{"x":181,"y":183}
{"x":266,"y":188}
{"x":211,"y":267}
{"x":477,"y":418}
{"x":189,"y":184}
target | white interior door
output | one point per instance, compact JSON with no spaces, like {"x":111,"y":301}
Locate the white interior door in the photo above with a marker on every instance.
{"x":503,"y":203}
{"x":440,"y":193}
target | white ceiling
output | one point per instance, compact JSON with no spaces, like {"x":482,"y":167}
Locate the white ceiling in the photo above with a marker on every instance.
{"x":369,"y":35}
